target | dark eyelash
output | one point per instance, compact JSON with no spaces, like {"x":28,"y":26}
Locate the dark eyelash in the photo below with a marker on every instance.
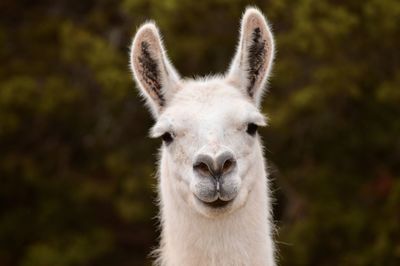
{"x":251,"y":129}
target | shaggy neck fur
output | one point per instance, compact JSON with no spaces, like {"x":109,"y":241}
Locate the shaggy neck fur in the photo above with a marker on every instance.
{"x":240,"y":238}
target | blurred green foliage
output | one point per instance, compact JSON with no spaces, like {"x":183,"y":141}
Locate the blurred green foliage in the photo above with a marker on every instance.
{"x":76,"y":167}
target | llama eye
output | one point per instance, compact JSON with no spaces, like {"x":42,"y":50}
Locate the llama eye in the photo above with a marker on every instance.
{"x":251,"y":129}
{"x":167,"y":138}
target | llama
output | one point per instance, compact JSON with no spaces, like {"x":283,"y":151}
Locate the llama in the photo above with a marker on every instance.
{"x":213,"y":184}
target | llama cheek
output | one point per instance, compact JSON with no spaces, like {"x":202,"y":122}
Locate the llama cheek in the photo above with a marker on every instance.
{"x":244,"y":171}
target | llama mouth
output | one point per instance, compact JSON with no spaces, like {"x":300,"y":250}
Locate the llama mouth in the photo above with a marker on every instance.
{"x":217,"y":204}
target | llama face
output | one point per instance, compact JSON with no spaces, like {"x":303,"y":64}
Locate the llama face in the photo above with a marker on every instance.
{"x":208,"y":126}
{"x":212,"y":146}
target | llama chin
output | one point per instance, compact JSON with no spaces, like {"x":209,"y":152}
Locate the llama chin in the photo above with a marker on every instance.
{"x":213,"y":184}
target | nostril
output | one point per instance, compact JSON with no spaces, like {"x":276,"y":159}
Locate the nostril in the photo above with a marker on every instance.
{"x":226,"y":162}
{"x":228,"y":165}
{"x":203,"y":165}
{"x":202,"y":168}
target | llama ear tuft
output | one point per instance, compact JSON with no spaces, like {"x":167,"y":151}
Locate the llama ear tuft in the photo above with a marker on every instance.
{"x":154,"y":74}
{"x":252,"y":63}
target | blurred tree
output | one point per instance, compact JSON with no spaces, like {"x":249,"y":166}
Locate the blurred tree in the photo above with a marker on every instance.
{"x":75,"y":170}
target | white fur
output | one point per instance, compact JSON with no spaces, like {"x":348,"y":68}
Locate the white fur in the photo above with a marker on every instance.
{"x":211,"y":115}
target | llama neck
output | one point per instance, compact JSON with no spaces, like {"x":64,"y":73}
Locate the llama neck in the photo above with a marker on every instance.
{"x":240,"y":238}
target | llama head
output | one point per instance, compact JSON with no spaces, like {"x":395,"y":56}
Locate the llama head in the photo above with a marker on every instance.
{"x":208,"y":125}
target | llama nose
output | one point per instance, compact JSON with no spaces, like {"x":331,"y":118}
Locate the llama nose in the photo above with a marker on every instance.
{"x":216,"y":167}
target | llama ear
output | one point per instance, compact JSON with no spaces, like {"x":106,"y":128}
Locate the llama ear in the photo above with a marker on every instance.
{"x":253,"y":60}
{"x":154,"y":74}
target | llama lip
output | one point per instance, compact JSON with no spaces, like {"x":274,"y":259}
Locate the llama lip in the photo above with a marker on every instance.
{"x":216,"y":204}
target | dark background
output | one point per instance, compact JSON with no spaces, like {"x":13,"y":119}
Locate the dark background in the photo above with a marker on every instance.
{"x":76,"y":165}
